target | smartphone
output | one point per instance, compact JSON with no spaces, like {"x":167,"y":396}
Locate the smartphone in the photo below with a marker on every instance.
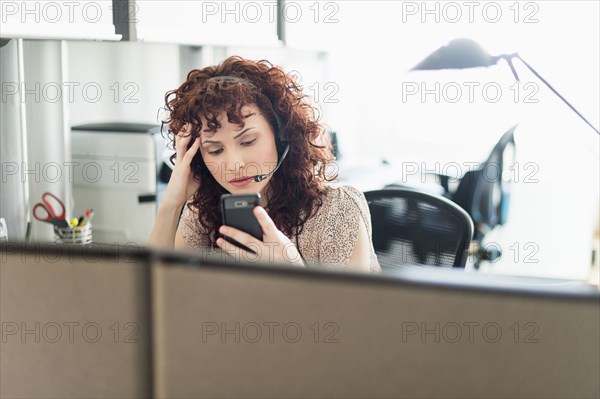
{"x":236,"y":211}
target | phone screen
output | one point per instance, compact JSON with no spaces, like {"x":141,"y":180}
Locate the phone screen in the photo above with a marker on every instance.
{"x":236,"y":211}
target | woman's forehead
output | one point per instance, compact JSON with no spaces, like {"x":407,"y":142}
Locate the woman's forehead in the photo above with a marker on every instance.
{"x":249,"y":114}
{"x":227,"y":127}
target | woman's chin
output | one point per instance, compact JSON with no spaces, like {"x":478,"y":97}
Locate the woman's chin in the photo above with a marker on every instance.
{"x":250,"y":188}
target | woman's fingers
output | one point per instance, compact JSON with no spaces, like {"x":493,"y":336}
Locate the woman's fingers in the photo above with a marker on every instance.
{"x":275,"y":247}
{"x":182,"y":140}
{"x":227,"y":247}
{"x":183,"y":183}
{"x":233,"y":250}
{"x":238,"y":235}
{"x":189,"y":155}
{"x":265,"y":221}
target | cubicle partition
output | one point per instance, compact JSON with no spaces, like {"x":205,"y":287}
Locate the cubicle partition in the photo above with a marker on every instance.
{"x":225,"y":330}
{"x":258,"y":332}
{"x":75,"y":322}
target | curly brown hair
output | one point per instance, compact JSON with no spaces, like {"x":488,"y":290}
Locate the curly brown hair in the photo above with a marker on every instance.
{"x":296,"y":190}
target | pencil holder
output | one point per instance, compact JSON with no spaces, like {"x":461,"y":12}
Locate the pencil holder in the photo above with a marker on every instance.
{"x":76,"y":235}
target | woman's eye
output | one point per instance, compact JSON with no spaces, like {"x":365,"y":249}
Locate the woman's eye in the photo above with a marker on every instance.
{"x":220,"y":150}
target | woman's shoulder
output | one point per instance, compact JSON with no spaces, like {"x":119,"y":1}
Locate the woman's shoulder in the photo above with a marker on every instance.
{"x":334,"y":229}
{"x":343,"y":198}
{"x":344,"y":189}
{"x":340,"y":203}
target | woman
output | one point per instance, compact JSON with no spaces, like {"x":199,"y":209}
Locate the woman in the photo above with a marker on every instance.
{"x":241,"y":119}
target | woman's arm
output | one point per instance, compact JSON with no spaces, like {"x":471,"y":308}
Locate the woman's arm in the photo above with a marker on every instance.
{"x":343,"y":229}
{"x":165,"y":233}
{"x":180,"y":242}
{"x":361,"y":254}
{"x":182,"y":185}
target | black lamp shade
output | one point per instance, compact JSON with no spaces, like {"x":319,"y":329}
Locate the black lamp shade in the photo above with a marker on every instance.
{"x":458,"y":54}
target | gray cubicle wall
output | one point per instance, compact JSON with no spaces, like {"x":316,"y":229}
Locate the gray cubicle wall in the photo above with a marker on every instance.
{"x":255,"y":332}
{"x":75,"y":322}
{"x":181,"y":326}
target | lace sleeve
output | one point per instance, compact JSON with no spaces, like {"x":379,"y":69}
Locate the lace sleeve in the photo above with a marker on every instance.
{"x":347,"y":207}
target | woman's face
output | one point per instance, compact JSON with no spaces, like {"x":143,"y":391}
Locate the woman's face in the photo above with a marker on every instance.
{"x":235,"y":155}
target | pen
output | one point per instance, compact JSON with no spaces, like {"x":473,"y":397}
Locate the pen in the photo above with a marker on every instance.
{"x":90,"y":214}
{"x":83,"y":220}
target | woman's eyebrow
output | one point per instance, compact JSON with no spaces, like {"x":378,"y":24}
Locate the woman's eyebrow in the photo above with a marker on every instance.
{"x":236,"y":136}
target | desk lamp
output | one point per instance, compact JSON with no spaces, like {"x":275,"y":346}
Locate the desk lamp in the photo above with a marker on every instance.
{"x":466,"y":53}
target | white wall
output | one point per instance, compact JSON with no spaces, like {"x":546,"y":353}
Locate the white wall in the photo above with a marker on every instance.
{"x":133,"y":79}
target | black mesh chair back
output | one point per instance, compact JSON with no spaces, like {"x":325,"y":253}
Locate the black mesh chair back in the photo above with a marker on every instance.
{"x":415,"y":228}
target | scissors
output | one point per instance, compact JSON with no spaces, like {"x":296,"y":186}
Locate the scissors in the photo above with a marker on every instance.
{"x":45,"y":212}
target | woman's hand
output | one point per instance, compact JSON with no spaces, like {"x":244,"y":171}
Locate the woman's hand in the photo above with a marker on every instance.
{"x":274,"y":248}
{"x":182,"y":184}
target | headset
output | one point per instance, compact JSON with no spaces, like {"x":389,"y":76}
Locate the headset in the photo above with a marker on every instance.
{"x":282,"y":145}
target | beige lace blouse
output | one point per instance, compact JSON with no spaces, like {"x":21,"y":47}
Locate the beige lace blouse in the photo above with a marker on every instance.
{"x":328,"y":237}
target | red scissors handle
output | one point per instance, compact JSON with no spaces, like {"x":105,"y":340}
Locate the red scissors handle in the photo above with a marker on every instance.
{"x":56,"y":210}
{"x":41,"y":213}
{"x":46,"y":211}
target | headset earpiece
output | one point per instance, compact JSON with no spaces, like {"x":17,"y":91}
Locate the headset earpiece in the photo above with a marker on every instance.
{"x":280,"y":142}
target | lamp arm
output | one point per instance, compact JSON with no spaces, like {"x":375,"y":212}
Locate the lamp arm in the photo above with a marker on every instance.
{"x":554,"y":91}
{"x":509,"y":60}
{"x":512,"y":68}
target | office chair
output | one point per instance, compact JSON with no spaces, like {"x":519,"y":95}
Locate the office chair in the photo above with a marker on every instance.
{"x":411,"y":227}
{"x":334,"y":144}
{"x":485,"y":193}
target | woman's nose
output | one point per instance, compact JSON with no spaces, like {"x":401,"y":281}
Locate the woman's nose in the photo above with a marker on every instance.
{"x":233,"y":162}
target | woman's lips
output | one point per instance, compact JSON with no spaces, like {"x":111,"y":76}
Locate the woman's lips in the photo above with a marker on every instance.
{"x":241,"y":183}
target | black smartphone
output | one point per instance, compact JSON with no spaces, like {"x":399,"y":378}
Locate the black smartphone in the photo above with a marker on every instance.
{"x":236,"y":211}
